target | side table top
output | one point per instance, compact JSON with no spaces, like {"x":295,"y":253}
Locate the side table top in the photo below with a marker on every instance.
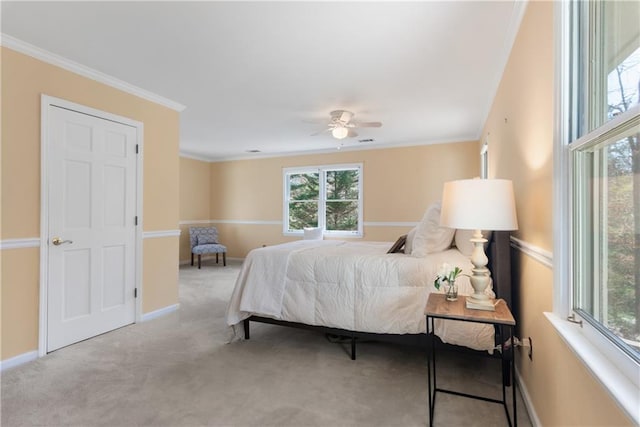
{"x":438,"y":306}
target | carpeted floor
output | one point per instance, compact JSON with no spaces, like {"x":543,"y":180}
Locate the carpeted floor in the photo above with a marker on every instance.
{"x":179,"y":371}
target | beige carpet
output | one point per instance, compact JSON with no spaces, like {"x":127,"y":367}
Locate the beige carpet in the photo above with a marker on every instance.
{"x":179,"y":371}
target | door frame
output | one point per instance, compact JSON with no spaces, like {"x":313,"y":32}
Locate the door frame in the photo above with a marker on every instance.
{"x":46,"y":103}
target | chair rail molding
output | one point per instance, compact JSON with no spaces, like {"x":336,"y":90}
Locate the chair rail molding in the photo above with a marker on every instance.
{"x":279,"y":222}
{"x":29,"y":242}
{"x":541,"y":255}
{"x":160,"y":233}
{"x":390,"y":223}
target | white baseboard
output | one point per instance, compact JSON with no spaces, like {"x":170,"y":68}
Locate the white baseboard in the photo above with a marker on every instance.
{"x":160,"y":312}
{"x":18,"y":360}
{"x":526,"y":398}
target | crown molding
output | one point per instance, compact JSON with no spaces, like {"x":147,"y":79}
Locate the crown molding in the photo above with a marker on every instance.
{"x":201,"y":158}
{"x":69,"y":65}
{"x":355,"y":147}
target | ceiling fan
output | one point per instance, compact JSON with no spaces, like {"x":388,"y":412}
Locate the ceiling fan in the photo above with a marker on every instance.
{"x":342,"y":126}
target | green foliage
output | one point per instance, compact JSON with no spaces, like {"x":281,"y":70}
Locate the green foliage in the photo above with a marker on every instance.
{"x":303,"y":214}
{"x":621,"y":298}
{"x":342,"y":195}
{"x":304,"y":186}
{"x":447,"y":274}
{"x":341,"y":190}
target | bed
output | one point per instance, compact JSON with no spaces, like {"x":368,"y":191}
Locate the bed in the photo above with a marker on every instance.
{"x":357,"y":289}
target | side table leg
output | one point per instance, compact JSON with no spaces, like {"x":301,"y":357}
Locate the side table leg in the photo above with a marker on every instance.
{"x":429,"y":373}
{"x":432,"y":399}
{"x":513,"y":380}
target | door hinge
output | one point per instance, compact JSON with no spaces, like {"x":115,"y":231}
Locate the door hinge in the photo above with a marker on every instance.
{"x":135,"y":292}
{"x":135,"y":220}
{"x":137,"y":148}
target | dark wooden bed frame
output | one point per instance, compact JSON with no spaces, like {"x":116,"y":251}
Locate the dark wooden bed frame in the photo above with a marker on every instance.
{"x":499,"y":254}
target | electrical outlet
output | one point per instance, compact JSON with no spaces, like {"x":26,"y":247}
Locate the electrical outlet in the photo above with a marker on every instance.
{"x":527,"y":342}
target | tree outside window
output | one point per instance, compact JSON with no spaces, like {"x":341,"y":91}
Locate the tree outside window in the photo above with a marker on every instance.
{"x":606,"y":163}
{"x":328,"y":197}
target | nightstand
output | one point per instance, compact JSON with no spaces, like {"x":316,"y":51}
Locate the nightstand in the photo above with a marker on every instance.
{"x":439,"y":308}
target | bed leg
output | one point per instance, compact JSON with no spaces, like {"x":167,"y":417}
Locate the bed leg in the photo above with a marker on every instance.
{"x":353,"y":348}
{"x":246,"y":328}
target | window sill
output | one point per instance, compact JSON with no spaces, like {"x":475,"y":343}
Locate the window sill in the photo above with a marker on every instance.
{"x":624,"y":391}
{"x":326,"y":236}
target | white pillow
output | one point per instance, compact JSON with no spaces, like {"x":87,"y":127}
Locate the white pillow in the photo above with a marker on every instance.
{"x":463,"y":240}
{"x":313,"y":233}
{"x":430,"y":237}
{"x":408,"y":245}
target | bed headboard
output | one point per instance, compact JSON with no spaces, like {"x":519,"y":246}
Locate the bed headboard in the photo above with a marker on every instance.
{"x":499,"y":255}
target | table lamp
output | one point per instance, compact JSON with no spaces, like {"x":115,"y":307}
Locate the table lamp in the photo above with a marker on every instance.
{"x":479,"y":204}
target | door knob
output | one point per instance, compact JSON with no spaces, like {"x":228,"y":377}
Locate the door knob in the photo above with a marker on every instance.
{"x":58,"y":241}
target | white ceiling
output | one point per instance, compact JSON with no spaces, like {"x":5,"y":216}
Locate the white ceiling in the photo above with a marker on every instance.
{"x":251,"y":74}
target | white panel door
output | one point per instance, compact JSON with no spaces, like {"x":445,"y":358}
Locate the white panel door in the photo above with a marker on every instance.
{"x":91,"y":219}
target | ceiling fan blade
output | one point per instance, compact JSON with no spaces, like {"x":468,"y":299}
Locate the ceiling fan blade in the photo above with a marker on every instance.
{"x":336,"y":114}
{"x":321,"y":132}
{"x":315,"y":121}
{"x":346,"y":116}
{"x":352,"y":133}
{"x":367,"y":124}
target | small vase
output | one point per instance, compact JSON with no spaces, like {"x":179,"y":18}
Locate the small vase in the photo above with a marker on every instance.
{"x":451,"y":292}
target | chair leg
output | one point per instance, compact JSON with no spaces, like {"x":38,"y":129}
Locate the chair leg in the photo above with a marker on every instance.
{"x":224,"y":259}
{"x":199,"y":261}
{"x":216,"y":257}
{"x":191,"y":258}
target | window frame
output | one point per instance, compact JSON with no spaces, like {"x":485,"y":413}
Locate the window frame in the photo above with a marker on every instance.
{"x":484,"y":159}
{"x":322,"y":200}
{"x":610,"y":364}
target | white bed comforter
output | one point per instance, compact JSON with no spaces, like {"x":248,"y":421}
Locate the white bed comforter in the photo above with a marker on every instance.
{"x":350,"y":285}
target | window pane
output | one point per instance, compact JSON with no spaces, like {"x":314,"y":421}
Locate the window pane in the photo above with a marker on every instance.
{"x":304,"y":186}
{"x":615,"y":59}
{"x":342,"y":216}
{"x":303,"y":214}
{"x":622,"y":85}
{"x":342,"y":184}
{"x":608,"y":241}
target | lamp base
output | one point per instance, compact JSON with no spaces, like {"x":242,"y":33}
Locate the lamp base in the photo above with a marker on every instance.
{"x":475,"y":304}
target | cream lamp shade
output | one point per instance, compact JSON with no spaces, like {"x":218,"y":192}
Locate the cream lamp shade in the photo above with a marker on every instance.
{"x":479,"y":204}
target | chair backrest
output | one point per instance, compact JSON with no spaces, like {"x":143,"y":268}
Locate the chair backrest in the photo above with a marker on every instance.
{"x":208,"y":234}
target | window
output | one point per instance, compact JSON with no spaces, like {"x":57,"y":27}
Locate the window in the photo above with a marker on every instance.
{"x":598,"y":176}
{"x":329,"y":197}
{"x":484,"y":159}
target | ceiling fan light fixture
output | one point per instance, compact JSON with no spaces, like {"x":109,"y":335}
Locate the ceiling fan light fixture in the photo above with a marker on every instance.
{"x":340,"y":132}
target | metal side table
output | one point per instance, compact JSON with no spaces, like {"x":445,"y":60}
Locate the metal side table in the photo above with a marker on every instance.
{"x":439,"y":308}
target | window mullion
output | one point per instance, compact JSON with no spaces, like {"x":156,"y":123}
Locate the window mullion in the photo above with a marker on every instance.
{"x":322,"y":200}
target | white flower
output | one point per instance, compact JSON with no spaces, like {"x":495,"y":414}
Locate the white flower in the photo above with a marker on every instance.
{"x":446,"y":274}
{"x":444,"y":271}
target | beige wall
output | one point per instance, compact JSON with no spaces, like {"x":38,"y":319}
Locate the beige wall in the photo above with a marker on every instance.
{"x":20,"y":300}
{"x":24,"y":79}
{"x":520,"y":129}
{"x":399,"y":184}
{"x":195,"y":185}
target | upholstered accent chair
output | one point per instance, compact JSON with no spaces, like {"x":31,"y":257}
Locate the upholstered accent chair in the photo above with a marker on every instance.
{"x":204,"y":240}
